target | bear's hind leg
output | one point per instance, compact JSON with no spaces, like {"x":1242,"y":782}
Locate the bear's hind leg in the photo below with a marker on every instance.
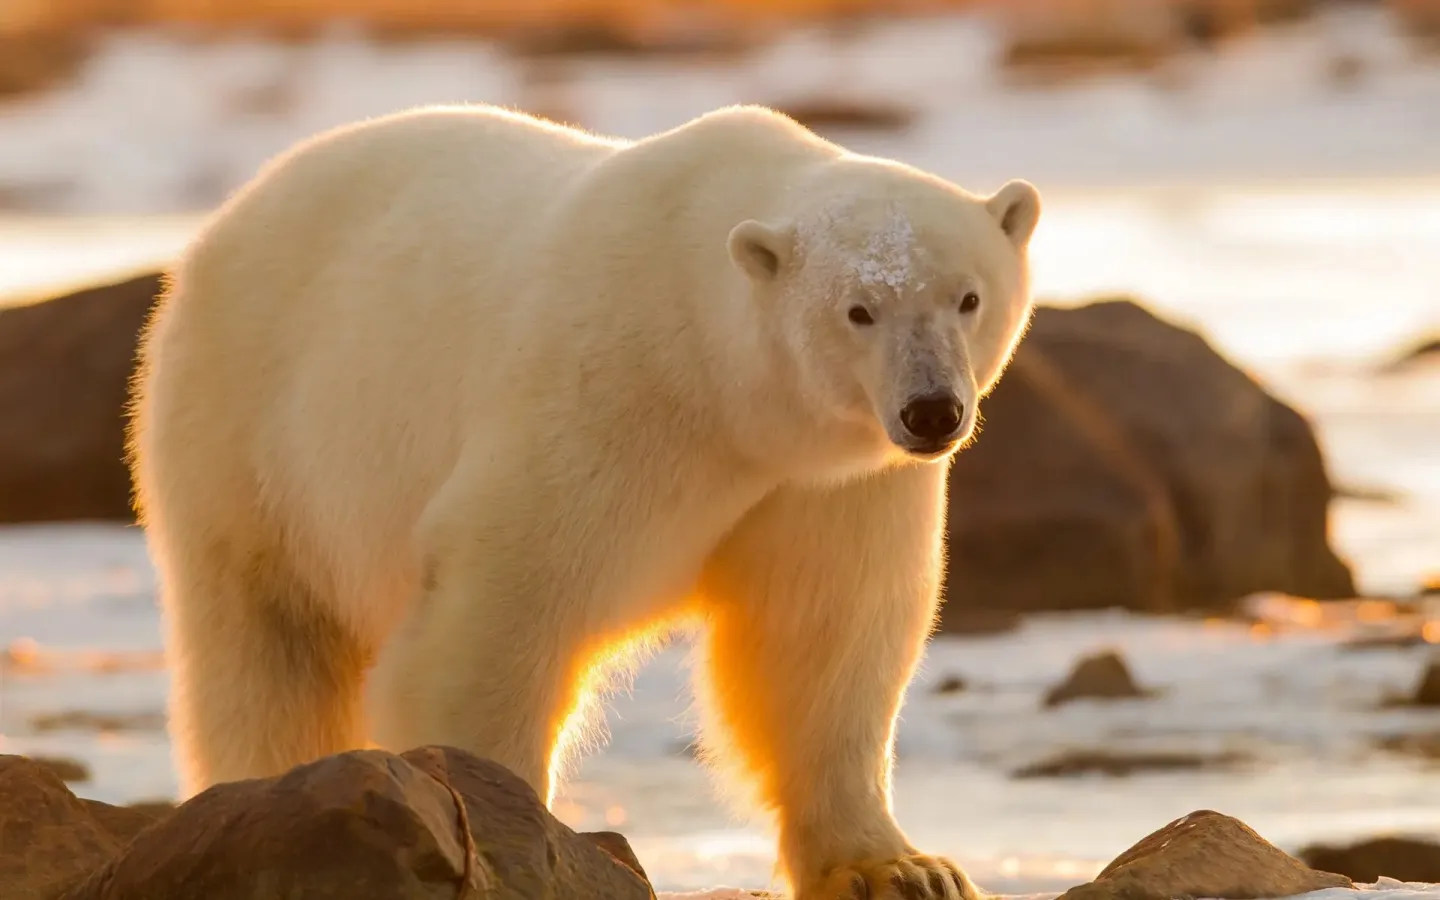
{"x":263,"y":678}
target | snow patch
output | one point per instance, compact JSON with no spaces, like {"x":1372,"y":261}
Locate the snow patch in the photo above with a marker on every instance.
{"x":889,"y":254}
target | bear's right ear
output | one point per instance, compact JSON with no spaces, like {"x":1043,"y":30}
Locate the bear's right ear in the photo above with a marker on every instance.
{"x":760,"y":250}
{"x":1016,"y":207}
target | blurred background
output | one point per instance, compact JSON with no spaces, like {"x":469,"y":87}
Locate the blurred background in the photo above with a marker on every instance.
{"x":1195,"y":554}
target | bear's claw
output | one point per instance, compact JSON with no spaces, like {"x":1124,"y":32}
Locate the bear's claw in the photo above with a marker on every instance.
{"x":907,"y":878}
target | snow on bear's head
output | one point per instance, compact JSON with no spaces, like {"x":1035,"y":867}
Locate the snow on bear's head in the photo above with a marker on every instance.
{"x":900,"y":296}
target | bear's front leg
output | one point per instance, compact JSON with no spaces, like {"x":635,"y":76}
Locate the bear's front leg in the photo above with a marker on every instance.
{"x":487,"y":661}
{"x":516,"y":602}
{"x":819,"y":605}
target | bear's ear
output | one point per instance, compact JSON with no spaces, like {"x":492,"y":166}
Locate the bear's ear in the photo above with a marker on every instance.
{"x":1016,"y":206}
{"x":761,"y":251}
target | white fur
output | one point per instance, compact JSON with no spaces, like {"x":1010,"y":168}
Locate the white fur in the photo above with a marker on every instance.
{"x":471,"y":405}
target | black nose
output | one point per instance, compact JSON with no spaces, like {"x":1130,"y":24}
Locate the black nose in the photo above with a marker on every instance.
{"x":932,"y":417}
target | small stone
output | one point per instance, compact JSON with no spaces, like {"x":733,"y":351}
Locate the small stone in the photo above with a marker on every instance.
{"x":689,"y":749}
{"x":1400,"y":638}
{"x":1103,"y":676}
{"x":827,"y":113}
{"x":1345,"y":70}
{"x":952,"y":684}
{"x":84,"y":720}
{"x":1425,"y":745}
{"x":1204,"y":854}
{"x":1404,"y":859}
{"x":1427,"y":692}
{"x":1117,"y":764}
{"x":978,"y":622}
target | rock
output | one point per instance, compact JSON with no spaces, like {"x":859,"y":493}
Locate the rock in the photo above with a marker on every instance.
{"x":84,"y":720}
{"x":1068,"y":42}
{"x":1404,"y":859}
{"x":1244,"y":473}
{"x":431,"y":823}
{"x":1403,"y":637}
{"x":1103,"y":676}
{"x":1381,"y":496}
{"x":952,"y":684}
{"x":1427,"y":691}
{"x":596,"y":40}
{"x":64,"y":768}
{"x":64,"y":370}
{"x":1288,"y":539}
{"x":841,"y":113}
{"x":1052,"y":509}
{"x":1116,"y":764}
{"x":1204,"y":854}
{"x":48,"y":836}
{"x":1425,"y":746}
{"x":1345,"y":71}
{"x":31,"y":63}
{"x":689,"y":748}
{"x":964,"y":622}
{"x":532,"y":852}
{"x":1123,"y":462}
{"x":124,"y":822}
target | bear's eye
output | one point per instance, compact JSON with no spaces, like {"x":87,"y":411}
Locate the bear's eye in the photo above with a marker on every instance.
{"x":970,"y":302}
{"x":861,"y":316}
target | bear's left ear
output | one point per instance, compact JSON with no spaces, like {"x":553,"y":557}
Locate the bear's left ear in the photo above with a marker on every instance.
{"x":761,"y":251}
{"x":1016,"y":207}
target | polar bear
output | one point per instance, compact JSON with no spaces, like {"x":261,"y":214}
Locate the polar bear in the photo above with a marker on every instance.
{"x":447,"y":411}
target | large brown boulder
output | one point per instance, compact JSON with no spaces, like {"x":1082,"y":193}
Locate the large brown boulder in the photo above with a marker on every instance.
{"x":1123,"y":462}
{"x":48,"y":836}
{"x":430,"y":824}
{"x":64,"y":370}
{"x":1051,"y":508}
{"x":1204,"y":854}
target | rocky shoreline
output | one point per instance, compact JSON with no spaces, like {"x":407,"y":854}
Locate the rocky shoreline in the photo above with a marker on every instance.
{"x":435,"y":822}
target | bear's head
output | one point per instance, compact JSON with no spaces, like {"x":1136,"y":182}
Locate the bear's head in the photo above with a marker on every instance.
{"x":899,"y":297}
